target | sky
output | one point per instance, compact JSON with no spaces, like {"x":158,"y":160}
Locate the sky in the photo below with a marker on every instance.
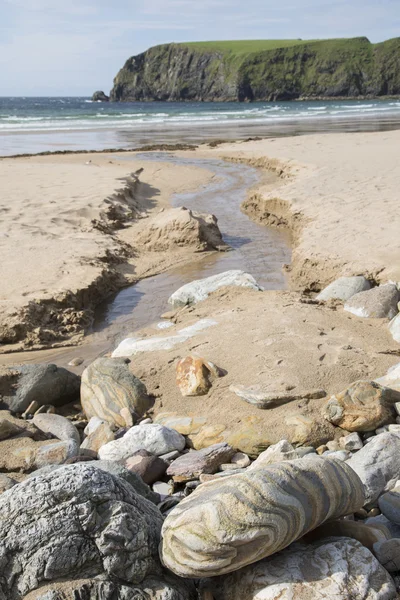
{"x":74,"y":47}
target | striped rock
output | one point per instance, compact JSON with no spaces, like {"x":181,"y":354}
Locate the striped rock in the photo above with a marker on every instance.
{"x":234,"y":521}
{"x":111,"y":392}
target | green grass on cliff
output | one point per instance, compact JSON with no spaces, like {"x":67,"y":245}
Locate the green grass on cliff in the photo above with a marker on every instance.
{"x":242,"y":46}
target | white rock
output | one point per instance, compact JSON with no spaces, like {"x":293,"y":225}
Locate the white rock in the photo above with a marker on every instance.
{"x":331,"y":569}
{"x":338,"y":454}
{"x":344,"y":288}
{"x":394,"y":328}
{"x":351,"y":442}
{"x":162,"y":488}
{"x":392,"y":378}
{"x":397,"y":408}
{"x":132,"y":346}
{"x":154,"y":438}
{"x":198,"y":290}
{"x":378,"y":303}
{"x":279,"y":452}
{"x":378,"y":464}
{"x":394,"y":428}
{"x":93,"y":424}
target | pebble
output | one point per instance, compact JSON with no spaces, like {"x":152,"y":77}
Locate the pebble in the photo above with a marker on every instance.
{"x":75,"y":362}
{"x":162,"y":488}
{"x":351,"y":442}
{"x":169,"y":456}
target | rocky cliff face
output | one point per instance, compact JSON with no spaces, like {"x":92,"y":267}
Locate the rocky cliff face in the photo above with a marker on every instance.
{"x":328,"y":68}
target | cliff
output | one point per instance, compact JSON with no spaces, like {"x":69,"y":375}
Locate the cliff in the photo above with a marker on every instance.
{"x":260,"y":70}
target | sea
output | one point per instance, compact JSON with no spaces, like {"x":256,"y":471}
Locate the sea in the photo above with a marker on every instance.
{"x":32,"y":125}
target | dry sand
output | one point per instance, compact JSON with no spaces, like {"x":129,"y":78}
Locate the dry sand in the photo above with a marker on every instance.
{"x":62,"y":248}
{"x":340,"y":195}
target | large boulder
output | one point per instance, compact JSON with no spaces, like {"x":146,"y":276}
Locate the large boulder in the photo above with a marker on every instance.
{"x":46,"y":384}
{"x":161,"y":587}
{"x":378,"y":465}
{"x":110,"y":391}
{"x":198,"y":290}
{"x":100,"y":96}
{"x":333,"y":568}
{"x":76,"y":522}
{"x":154,"y":438}
{"x":378,"y":303}
{"x":344,"y":288}
{"x":181,"y":227}
{"x":363,"y":406}
{"x":234,"y":521}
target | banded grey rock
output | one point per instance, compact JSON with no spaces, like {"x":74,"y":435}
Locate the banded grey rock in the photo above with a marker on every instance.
{"x":263,"y":398}
{"x":344,"y":288}
{"x":57,"y":426}
{"x":332,"y":568}
{"x":377,"y":303}
{"x":46,"y":384}
{"x":154,"y":438}
{"x":111,"y":392}
{"x":161,"y":587}
{"x":378,"y":465}
{"x":198,"y":290}
{"x":229,"y":523}
{"x":72,"y":523}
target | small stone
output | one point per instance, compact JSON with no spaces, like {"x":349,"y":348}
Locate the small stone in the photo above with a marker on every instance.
{"x":322,"y":449}
{"x":263,"y":398}
{"x":338,"y":454}
{"x":75,"y":362}
{"x":374,"y":512}
{"x":363,"y":406}
{"x":205,"y":477}
{"x":193,"y":376}
{"x":389,"y":504}
{"x":361,"y":513}
{"x":145,"y":421}
{"x":282,"y":451}
{"x":394,"y":428}
{"x":6,"y":483}
{"x":95,"y":440}
{"x":351,"y":442}
{"x":380,"y":430}
{"x":388,"y":554}
{"x":185,"y":425}
{"x":377,"y":303}
{"x":56,"y":454}
{"x":148,"y":466}
{"x":170,"y":456}
{"x":304,"y":450}
{"x":57,"y":426}
{"x":8,"y":429}
{"x":397,"y":407}
{"x":344,"y":288}
{"x":162,"y":488}
{"x":193,"y":464}
{"x":333,"y":445}
{"x":93,"y":424}
{"x":32,"y":408}
{"x":240,"y":460}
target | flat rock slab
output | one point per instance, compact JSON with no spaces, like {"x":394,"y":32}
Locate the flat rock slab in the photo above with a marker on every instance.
{"x":193,"y":464}
{"x":344,"y":288}
{"x":199,"y":290}
{"x":264,"y":398}
{"x":377,"y":303}
{"x":331,"y":569}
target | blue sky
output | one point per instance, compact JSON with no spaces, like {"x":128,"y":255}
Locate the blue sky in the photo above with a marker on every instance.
{"x":73,"y":47}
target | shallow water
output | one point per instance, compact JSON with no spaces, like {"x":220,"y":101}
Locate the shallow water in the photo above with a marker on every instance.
{"x":256,"y":249}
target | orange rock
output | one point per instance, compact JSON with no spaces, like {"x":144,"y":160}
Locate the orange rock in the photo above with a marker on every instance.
{"x":194,"y":376}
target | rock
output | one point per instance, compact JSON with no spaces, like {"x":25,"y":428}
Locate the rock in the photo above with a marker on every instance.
{"x":98,"y":438}
{"x":170,"y":456}
{"x":182,"y":424}
{"x":389,"y":505}
{"x":383,"y":523}
{"x":351,"y":442}
{"x":198,"y":290}
{"x":394,"y":428}
{"x":132,"y":346}
{"x":338,"y":454}
{"x":58,"y":426}
{"x":388,"y":554}
{"x":181,"y":227}
{"x":100,"y":96}
{"x":205,"y":477}
{"x":81,"y":518}
{"x":75,"y":362}
{"x":282,"y":451}
{"x":93,"y":424}
{"x":344,"y":288}
{"x":45,"y":384}
{"x":377,"y":303}
{"x":330,"y":569}
{"x":394,"y":328}
{"x":378,"y":465}
{"x":333,"y":445}
{"x":239,"y":460}
{"x":365,"y":534}
{"x":161,"y":587}
{"x":163,"y":488}
{"x":111,"y":392}
{"x":193,"y":464}
{"x":264,"y":398}
{"x":148,"y":466}
{"x":194,"y":376}
{"x":56,"y":454}
{"x":6,"y":483}
{"x":8,"y":429}
{"x":234,"y":521}
{"x":363,"y":406}
{"x":154,"y":438}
